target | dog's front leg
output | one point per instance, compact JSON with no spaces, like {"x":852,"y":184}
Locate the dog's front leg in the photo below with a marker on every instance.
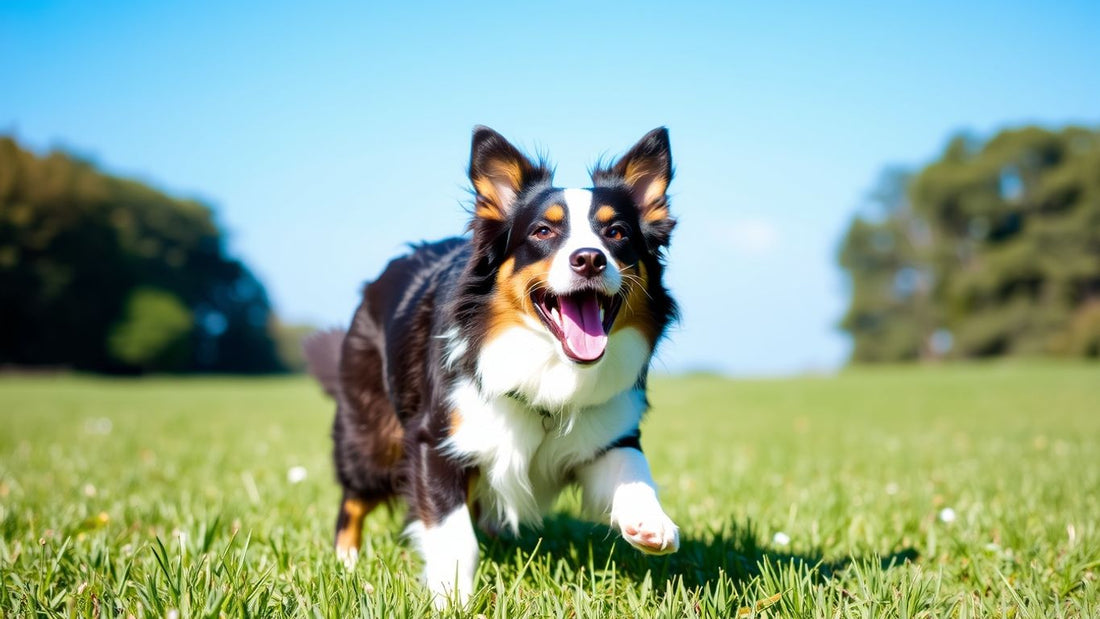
{"x":618,"y":484}
{"x":441,"y":525}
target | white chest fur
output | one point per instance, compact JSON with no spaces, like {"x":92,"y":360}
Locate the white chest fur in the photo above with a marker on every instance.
{"x":528,"y":361}
{"x":524,"y":457}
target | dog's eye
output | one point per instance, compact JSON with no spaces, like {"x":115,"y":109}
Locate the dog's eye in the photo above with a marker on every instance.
{"x":615,"y":232}
{"x":542,"y":233}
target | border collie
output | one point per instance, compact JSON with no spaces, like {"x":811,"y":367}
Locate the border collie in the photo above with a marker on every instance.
{"x":482,"y":374}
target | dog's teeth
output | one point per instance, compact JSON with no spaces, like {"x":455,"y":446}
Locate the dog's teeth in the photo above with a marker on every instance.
{"x":554,"y":314}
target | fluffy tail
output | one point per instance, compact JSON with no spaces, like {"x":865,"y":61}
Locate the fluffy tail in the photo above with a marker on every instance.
{"x":322,"y":351}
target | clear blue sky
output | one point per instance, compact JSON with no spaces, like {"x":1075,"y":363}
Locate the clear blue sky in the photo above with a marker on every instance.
{"x":327,"y":135}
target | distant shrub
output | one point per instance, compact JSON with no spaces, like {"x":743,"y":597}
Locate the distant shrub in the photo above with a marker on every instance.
{"x":155,"y":332}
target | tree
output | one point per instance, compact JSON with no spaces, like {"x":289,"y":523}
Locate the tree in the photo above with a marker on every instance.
{"x":77,"y":246}
{"x":993,"y":249}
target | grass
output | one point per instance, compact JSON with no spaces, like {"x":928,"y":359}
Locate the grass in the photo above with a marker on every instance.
{"x":809,"y":497}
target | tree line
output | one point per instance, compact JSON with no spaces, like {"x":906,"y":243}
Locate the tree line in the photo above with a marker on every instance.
{"x":107,"y":274}
{"x":992,"y":249}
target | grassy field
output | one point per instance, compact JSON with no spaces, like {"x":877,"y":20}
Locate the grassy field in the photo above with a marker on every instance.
{"x":935,"y":492}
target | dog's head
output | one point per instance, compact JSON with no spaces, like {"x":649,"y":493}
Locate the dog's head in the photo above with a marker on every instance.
{"x":580,"y":264}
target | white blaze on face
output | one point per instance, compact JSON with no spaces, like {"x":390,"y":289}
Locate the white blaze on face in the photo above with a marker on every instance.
{"x":562,"y":278}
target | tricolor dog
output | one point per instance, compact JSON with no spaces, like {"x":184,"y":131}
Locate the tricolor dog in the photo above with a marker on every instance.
{"x":481,"y":375}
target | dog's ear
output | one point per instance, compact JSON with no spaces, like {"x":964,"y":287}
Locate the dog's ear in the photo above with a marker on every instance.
{"x":499,"y":173}
{"x":645,"y":171}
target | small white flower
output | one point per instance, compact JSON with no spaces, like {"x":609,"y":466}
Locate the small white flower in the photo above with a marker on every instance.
{"x":947,"y":515}
{"x":892,"y":488}
{"x":781,"y":539}
{"x":173,"y":614}
{"x":296,"y":474}
{"x":89,"y":490}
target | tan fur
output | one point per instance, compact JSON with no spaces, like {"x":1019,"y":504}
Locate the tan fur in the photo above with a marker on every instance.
{"x":635,"y":311}
{"x":644,"y":173}
{"x":555,"y":214}
{"x":455,"y":422}
{"x":512,"y":296}
{"x":658,"y":213}
{"x":350,"y":536}
{"x":490,"y":203}
{"x":512,"y":299}
{"x":605,"y":214}
{"x":487,"y":206}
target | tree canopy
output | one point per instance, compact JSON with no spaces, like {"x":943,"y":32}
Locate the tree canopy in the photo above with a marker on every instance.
{"x":107,"y":274}
{"x":993,"y":249}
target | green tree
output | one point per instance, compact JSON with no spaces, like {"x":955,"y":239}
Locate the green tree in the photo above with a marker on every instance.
{"x":993,"y":249}
{"x":154,"y":333}
{"x":75,"y":245}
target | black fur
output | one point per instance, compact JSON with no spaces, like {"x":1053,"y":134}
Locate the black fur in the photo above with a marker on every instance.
{"x":392,"y":387}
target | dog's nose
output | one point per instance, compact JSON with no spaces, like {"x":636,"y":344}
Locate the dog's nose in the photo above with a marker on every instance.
{"x":588,"y":262}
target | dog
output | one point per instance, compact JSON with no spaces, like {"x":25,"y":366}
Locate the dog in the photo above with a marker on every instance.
{"x":483,"y":374}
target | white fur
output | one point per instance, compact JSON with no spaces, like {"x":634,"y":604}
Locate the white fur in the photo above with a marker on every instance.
{"x":574,"y":440}
{"x":529,"y":360}
{"x":500,"y":436}
{"x":618,"y":484}
{"x":525,"y":458}
{"x":450,"y":554}
{"x":562,"y":279}
{"x":348,"y":556}
{"x":454,"y":347}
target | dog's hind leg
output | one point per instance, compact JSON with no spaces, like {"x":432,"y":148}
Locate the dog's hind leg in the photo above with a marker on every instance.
{"x":367,"y":466}
{"x":367,"y":437}
{"x":349,"y":528}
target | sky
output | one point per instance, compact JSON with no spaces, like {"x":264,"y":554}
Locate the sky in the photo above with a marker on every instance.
{"x":326,"y":136}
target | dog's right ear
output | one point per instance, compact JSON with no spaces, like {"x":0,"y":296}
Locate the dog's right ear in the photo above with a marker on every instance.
{"x":499,"y":172}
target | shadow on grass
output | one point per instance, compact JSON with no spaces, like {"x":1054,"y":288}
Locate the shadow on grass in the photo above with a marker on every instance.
{"x":734,"y":551}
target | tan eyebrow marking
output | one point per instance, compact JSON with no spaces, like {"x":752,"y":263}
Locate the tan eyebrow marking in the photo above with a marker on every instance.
{"x":555,"y":214}
{"x":605,"y":214}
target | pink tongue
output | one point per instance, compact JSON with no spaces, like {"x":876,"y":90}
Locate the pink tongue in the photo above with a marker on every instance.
{"x":581,"y":325}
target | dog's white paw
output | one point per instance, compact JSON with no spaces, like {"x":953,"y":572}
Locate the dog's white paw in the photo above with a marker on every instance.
{"x":638,"y":514}
{"x":653,"y":533}
{"x":349,"y":556}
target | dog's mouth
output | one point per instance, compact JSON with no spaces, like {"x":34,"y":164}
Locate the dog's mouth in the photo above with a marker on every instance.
{"x":580,"y":320}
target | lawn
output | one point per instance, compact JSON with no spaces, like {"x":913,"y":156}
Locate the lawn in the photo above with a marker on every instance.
{"x":968,"y":491}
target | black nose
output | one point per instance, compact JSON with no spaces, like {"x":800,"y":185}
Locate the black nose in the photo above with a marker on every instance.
{"x":588,"y":262}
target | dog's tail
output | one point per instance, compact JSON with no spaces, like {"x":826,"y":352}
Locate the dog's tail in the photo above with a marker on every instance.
{"x":322,"y":350}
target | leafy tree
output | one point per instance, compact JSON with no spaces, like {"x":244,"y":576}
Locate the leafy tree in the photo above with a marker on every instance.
{"x":993,"y":249}
{"x":75,"y":247}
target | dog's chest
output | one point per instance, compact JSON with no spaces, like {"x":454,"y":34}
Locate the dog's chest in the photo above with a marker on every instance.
{"x":525,"y":457}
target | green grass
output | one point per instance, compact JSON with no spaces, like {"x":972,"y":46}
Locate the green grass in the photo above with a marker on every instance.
{"x":141,"y":497}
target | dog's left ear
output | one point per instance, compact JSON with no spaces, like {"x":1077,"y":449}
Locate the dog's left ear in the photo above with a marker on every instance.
{"x":499,"y":173}
{"x":646,"y":170}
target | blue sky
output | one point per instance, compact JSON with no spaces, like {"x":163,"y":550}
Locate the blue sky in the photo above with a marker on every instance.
{"x":327,"y":135}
